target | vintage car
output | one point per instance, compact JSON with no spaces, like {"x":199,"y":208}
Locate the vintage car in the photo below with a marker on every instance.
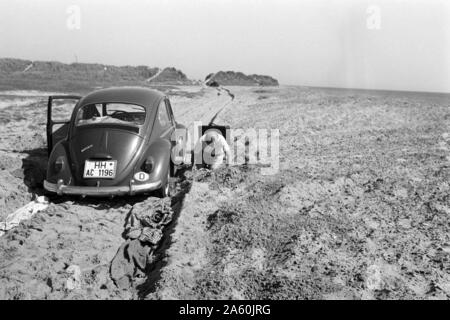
{"x":118,"y":141}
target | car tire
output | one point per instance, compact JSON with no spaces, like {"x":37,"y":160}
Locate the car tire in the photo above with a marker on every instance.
{"x":164,"y":191}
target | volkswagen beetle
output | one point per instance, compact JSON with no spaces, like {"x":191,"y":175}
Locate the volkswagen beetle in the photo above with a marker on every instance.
{"x":117,"y":141}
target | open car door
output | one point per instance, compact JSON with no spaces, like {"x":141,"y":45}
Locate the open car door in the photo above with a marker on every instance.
{"x":223,"y":130}
{"x":220,"y":129}
{"x":59,"y":111}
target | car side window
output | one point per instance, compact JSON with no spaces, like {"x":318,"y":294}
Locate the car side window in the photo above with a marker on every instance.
{"x":163,"y":116}
{"x":169,"y":110}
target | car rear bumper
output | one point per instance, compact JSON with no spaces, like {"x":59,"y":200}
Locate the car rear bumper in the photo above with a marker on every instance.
{"x":132,"y":189}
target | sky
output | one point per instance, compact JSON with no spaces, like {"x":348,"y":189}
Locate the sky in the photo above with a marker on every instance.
{"x":376,"y":44}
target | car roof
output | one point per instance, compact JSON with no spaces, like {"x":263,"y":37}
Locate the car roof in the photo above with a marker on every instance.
{"x":134,"y":95}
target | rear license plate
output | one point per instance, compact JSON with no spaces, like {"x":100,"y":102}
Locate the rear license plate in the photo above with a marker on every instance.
{"x":100,"y":169}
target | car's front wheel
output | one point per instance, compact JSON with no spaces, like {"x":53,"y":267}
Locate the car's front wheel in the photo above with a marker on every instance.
{"x":165,"y":187}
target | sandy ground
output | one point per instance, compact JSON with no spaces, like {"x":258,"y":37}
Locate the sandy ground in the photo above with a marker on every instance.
{"x":358,"y":210}
{"x":73,"y":241}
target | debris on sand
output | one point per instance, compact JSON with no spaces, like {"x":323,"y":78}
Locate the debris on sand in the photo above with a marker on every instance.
{"x":122,"y":267}
{"x":143,"y":232}
{"x":74,"y":280}
{"x":24,"y":213}
{"x":153,"y":212}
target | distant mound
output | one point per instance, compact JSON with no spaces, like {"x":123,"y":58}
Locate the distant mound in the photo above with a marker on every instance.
{"x":169,"y":75}
{"x":26,"y":74}
{"x":232,"y":78}
{"x":8,"y":65}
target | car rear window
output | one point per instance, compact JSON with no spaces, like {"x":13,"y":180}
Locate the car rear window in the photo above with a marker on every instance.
{"x":114,"y":113}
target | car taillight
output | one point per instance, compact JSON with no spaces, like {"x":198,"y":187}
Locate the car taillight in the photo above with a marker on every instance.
{"x":59,"y":164}
{"x":148,"y":165}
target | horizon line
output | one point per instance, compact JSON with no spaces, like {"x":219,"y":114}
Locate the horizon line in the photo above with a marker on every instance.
{"x":280,"y":84}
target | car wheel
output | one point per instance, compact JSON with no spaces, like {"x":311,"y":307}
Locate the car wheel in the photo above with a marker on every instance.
{"x":164,"y":190}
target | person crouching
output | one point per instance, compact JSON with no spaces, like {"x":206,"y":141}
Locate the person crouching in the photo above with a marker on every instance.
{"x":214,"y":151}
